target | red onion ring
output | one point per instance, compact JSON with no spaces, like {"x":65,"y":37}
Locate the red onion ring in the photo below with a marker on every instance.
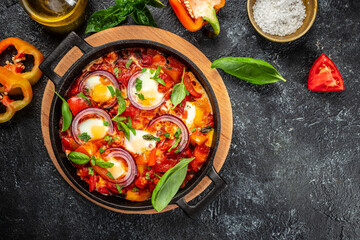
{"x":89,"y":111}
{"x":131,"y":95}
{"x":132,"y":169}
{"x":105,"y":74}
{"x":184,"y":130}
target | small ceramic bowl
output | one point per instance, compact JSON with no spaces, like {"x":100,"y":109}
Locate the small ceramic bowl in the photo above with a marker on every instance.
{"x":311,"y":9}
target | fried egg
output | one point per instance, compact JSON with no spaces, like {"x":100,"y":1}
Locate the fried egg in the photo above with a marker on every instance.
{"x":137,"y":144}
{"x":119,"y":169}
{"x":149,"y":90}
{"x":94,"y":127}
{"x":97,"y":87}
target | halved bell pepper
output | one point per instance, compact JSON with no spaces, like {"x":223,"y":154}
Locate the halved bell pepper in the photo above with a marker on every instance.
{"x":9,"y":81}
{"x":194,"y":14}
{"x":23,"y":48}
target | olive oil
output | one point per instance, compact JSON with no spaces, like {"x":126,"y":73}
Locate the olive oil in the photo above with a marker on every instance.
{"x":59,"y":16}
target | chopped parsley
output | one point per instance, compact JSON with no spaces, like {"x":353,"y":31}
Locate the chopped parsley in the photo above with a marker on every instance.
{"x":147,"y":176}
{"x":135,"y":189}
{"x":178,"y":132}
{"x":91,"y":171}
{"x":127,"y":65}
{"x":116,"y":71}
{"x":193,"y":130}
{"x":119,"y":188}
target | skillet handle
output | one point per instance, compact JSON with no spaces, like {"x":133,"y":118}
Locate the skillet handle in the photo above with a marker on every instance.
{"x":219,"y":186}
{"x":68,"y":43}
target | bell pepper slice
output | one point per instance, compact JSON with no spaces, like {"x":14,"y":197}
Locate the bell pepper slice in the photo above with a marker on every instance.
{"x":205,"y":12}
{"x":9,"y":81}
{"x":23,"y":48}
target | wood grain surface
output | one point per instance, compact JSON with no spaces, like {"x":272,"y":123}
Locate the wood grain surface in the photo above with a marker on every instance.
{"x":179,"y":44}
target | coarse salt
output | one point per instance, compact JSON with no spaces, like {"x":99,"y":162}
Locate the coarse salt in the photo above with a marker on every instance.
{"x":279,"y":17}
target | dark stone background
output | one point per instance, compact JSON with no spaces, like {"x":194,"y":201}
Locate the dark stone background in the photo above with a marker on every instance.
{"x":292,"y":169}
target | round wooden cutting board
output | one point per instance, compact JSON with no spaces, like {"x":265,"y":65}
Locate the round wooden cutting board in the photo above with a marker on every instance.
{"x":171,"y":40}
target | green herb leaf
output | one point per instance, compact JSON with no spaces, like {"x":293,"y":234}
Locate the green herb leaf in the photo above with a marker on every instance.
{"x":206,"y":129}
{"x":92,"y":160}
{"x":84,"y":136}
{"x":128,"y":63}
{"x":91,"y":171}
{"x":101,"y":150}
{"x":140,"y":96}
{"x":121,"y":102}
{"x":125,"y":129}
{"x":106,"y":123}
{"x":169,"y":184}
{"x":148,"y":168}
{"x":157,"y":139}
{"x":156,"y":76}
{"x":177,"y":133}
{"x":167,"y":135}
{"x":148,"y":137}
{"x":112,"y":91}
{"x":101,"y":163}
{"x":142,"y":16}
{"x":82,"y":95}
{"x":78,"y":157}
{"x":107,"y":18}
{"x":119,"y":119}
{"x":135,"y":189}
{"x":175,"y":144}
{"x":143,"y":70}
{"x":116,"y":71}
{"x":66,"y":113}
{"x":193,"y":130}
{"x":156,"y":175}
{"x":147,"y":176}
{"x":157,"y":72}
{"x":179,"y":92}
{"x":249,"y":69}
{"x":110,"y":175}
{"x":119,"y":188}
{"x":138,"y":85}
{"x":155,"y":3}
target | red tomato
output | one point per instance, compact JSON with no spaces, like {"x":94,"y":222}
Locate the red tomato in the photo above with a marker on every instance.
{"x":324,"y":76}
{"x":200,"y":153}
{"x":69,"y":143}
{"x":92,"y":183}
{"x":168,"y":82}
{"x":190,"y":87}
{"x":77,"y":104}
{"x":146,"y":60}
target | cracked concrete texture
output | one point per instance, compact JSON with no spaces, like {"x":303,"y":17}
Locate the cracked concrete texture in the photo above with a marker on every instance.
{"x":292,"y":169}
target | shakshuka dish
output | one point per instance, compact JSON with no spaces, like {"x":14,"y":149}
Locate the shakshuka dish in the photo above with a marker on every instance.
{"x":136,"y":113}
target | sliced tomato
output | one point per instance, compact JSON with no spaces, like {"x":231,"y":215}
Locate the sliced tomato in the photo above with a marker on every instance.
{"x":77,"y":104}
{"x":190,"y":87}
{"x":168,"y":82}
{"x":152,"y":158}
{"x":324,"y":76}
{"x":69,"y":143}
{"x":92,"y":183}
{"x":200,"y":153}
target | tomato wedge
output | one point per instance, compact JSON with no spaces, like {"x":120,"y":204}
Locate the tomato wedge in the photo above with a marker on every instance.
{"x":324,"y":76}
{"x":77,"y":104}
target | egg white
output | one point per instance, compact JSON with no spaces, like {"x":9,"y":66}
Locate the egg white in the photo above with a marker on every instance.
{"x":88,"y":124}
{"x":137,"y":144}
{"x":149,"y":87}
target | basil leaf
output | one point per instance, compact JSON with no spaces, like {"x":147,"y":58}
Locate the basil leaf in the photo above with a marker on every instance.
{"x":167,"y":135}
{"x":91,"y":171}
{"x":141,"y":96}
{"x":142,"y":16}
{"x":105,"y":123}
{"x":206,"y":129}
{"x":138,"y":85}
{"x":143,"y":70}
{"x":101,"y":163}
{"x":121,"y":102}
{"x":119,"y":188}
{"x":101,"y":150}
{"x":84,"y":136}
{"x":193,"y":130}
{"x":112,"y":91}
{"x":119,"y":118}
{"x":159,"y":80}
{"x":125,"y":129}
{"x":169,"y":184}
{"x":178,"y":94}
{"x":78,"y":157}
{"x":110,"y":175}
{"x":249,"y":69}
{"x":82,"y":95}
{"x":107,"y":18}
{"x":155,"y":3}
{"x":66,"y":113}
{"x":157,"y":72}
{"x":177,"y":133}
{"x":92,"y":160}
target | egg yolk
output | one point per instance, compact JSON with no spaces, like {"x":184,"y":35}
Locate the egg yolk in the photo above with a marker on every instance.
{"x":149,"y":98}
{"x":98,"y":132}
{"x":100,"y":93}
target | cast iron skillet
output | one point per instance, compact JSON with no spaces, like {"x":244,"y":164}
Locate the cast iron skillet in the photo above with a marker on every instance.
{"x":63,"y":83}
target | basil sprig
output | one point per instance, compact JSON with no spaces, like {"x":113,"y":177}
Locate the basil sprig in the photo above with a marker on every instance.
{"x":116,"y":14}
{"x":103,"y":164}
{"x":78,"y":157}
{"x":125,"y":127}
{"x":66,"y":113}
{"x":156,"y":77}
{"x":179,"y":92}
{"x":169,"y":184}
{"x":121,"y":102}
{"x":252,"y":70}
